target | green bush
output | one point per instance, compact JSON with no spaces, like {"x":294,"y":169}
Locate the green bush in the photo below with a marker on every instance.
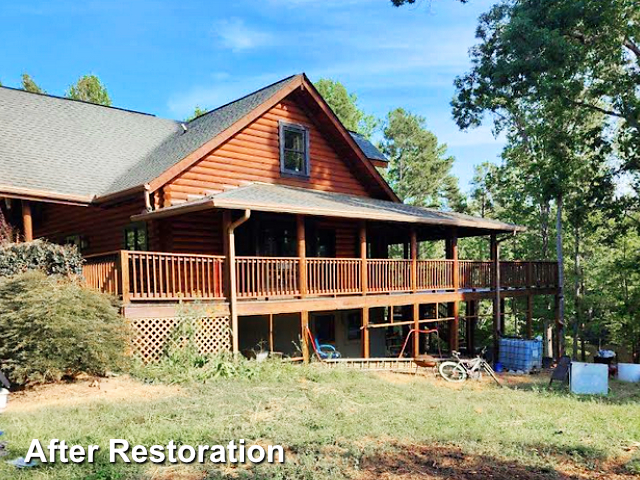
{"x":53,"y":327}
{"x":52,"y":259}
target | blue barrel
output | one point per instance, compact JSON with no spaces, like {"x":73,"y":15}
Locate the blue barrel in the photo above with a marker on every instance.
{"x":520,"y":355}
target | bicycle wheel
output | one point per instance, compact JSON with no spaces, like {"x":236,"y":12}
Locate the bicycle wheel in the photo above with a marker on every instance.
{"x":452,"y":372}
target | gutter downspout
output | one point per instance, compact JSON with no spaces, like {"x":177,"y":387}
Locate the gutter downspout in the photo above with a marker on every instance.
{"x":233,"y":293}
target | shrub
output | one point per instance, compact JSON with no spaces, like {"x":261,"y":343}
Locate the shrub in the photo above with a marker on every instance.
{"x":52,"y":259}
{"x":53,"y":327}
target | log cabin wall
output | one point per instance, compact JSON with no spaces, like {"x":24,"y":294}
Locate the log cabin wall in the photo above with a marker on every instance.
{"x":199,"y":232}
{"x":102,"y":227}
{"x":253,"y":155}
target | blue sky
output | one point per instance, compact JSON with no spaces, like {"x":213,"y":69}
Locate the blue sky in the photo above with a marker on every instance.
{"x":165,"y":56}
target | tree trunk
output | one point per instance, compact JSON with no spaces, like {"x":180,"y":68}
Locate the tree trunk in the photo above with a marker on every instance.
{"x":547,"y":326}
{"x":560,"y":319}
{"x":577,"y":292}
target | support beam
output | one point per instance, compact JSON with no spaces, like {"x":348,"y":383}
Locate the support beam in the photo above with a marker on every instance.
{"x":226,"y":223}
{"x":27,"y":221}
{"x":271,"y":342}
{"x":495,"y":257}
{"x":416,"y":327}
{"x":453,"y":311}
{"x":304,"y":328}
{"x":529,"y":326}
{"x":471,"y":314}
{"x":414,"y":260}
{"x":366,"y":343}
{"x":302,"y":255}
{"x":362,"y":237}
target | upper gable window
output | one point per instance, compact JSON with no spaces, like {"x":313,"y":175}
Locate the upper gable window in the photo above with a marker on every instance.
{"x":294,"y":149}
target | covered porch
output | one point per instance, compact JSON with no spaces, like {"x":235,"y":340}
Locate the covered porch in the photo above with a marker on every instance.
{"x":272,"y":251}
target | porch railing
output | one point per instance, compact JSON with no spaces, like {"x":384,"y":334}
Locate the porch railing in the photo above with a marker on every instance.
{"x":138,"y":276}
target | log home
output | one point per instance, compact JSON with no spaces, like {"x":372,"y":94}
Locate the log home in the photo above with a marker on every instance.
{"x":266,"y":212}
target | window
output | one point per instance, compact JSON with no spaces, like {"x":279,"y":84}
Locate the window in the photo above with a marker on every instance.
{"x":79,"y":241}
{"x":135,"y":237}
{"x":294,"y":150}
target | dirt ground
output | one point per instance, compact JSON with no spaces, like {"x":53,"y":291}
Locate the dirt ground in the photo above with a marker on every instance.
{"x":87,"y":390}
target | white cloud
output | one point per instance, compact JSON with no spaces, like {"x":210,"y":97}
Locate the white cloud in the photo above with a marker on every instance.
{"x":236,"y":35}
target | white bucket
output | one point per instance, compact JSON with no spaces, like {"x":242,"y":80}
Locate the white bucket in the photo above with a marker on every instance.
{"x":629,"y":372}
{"x":4,"y":398}
{"x":589,"y":378}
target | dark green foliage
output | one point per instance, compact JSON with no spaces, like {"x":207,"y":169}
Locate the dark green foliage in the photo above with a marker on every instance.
{"x":89,"y":88}
{"x":53,"y":327}
{"x":52,"y":259}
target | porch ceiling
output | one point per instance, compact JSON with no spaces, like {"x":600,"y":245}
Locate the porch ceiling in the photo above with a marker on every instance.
{"x":292,"y":200}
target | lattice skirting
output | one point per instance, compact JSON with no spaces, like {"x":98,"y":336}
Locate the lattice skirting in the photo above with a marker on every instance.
{"x":151,"y":338}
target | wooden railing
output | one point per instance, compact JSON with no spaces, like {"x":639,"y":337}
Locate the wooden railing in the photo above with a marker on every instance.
{"x":267,"y":276}
{"x":388,"y":275}
{"x":102,"y":272}
{"x":475,"y":274}
{"x":333,"y":276}
{"x":173,"y":276}
{"x":435,"y":274}
{"x":139,"y":276}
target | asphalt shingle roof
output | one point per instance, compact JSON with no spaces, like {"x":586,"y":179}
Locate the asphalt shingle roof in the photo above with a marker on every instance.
{"x":280,"y":198}
{"x":368,"y":148}
{"x":64,"y":146}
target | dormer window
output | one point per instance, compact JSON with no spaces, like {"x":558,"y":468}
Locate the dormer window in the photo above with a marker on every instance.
{"x":294,"y":150}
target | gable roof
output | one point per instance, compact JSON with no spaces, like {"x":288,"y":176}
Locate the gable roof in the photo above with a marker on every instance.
{"x":281,"y":198}
{"x":61,"y":147}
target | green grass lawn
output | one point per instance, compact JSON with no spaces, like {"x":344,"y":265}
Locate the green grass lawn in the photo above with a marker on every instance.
{"x":338,"y":424}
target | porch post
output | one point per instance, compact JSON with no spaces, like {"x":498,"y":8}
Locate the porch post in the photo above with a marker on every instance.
{"x":27,"y":221}
{"x":226,"y":222}
{"x":414,"y":260}
{"x":471,"y":314}
{"x":233,"y":290}
{"x":495,"y":257}
{"x":123,"y":262}
{"x":366,"y":346}
{"x":529,"y":316}
{"x":416,"y":327}
{"x":362,"y":235}
{"x":454,"y":307}
{"x":304,"y":327}
{"x":302,"y":255}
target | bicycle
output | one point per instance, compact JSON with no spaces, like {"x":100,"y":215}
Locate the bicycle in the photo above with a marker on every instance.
{"x":459,"y":369}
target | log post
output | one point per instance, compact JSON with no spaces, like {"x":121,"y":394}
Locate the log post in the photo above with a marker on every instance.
{"x":304,"y":327}
{"x":414,"y":261}
{"x":366,"y":346}
{"x":454,"y":329}
{"x":471,"y":314}
{"x":124,"y":275}
{"x":362,"y":236}
{"x":27,"y":221}
{"x":495,"y":257}
{"x":416,"y":327}
{"x":226,"y":222}
{"x":302,"y":255}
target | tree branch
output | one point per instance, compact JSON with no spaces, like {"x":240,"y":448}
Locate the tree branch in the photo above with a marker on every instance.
{"x":633,"y":47}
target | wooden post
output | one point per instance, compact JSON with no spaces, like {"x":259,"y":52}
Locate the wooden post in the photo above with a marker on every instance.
{"x":495,"y":256}
{"x":416,"y":327}
{"x":304,"y":327}
{"x":454,"y":307}
{"x":124,"y":275}
{"x":366,"y":346}
{"x":529,"y":316}
{"x":414,"y":261}
{"x":27,"y":221}
{"x":503,"y":316}
{"x":233,"y":289}
{"x":362,"y":235}
{"x":454,"y":330}
{"x":226,"y":222}
{"x":453,"y":255}
{"x":302,"y":255}
{"x":471,"y":314}
{"x":271,"y":343}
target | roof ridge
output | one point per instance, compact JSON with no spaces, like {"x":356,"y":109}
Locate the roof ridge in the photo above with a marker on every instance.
{"x":245,"y":96}
{"x":58,"y":97}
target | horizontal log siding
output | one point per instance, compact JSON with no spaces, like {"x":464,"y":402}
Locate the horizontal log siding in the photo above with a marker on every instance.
{"x":253,"y":155}
{"x":198,"y":232}
{"x":101,"y":226}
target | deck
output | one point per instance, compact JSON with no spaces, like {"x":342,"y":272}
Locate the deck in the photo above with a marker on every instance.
{"x":165,"y":278}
